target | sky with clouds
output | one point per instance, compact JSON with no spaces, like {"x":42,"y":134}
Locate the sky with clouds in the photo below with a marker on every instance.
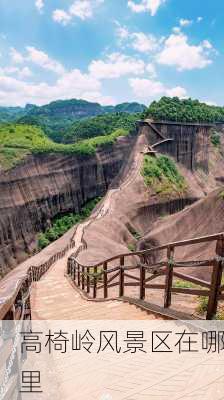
{"x":110,"y":51}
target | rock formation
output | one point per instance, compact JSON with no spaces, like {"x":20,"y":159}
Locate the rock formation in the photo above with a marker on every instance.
{"x":43,"y":187}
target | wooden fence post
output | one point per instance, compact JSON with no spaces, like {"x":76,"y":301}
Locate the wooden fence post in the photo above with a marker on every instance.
{"x":74,"y":269}
{"x":169,"y":277}
{"x":83,"y":278}
{"x":105,"y":280}
{"x":121,"y":291}
{"x":95,"y":282}
{"x":216,"y":279}
{"x":142,"y":282}
{"x":68,"y":267}
{"x":88,"y":280}
{"x":78,"y":266}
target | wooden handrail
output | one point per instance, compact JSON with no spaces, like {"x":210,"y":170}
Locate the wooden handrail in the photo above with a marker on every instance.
{"x":166,"y":267}
{"x":32,"y":274}
{"x":188,"y":242}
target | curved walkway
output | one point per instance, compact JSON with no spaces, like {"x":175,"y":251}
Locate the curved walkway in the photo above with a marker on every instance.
{"x":54,"y":298}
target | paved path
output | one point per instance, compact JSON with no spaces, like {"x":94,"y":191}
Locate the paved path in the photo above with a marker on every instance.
{"x":54,"y":298}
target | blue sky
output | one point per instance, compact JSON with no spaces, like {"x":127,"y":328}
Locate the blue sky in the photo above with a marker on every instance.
{"x":111,"y":51}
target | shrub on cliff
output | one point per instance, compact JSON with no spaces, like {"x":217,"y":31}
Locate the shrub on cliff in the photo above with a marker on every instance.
{"x":61,"y":225}
{"x":161,"y":174}
{"x":215,"y":139}
{"x":42,"y":241}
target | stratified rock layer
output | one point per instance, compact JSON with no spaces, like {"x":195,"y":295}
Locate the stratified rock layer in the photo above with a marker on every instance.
{"x":48,"y":185}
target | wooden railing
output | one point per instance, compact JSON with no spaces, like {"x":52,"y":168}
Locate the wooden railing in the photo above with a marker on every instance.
{"x":96,"y":280}
{"x":17,"y":308}
{"x":9,"y":309}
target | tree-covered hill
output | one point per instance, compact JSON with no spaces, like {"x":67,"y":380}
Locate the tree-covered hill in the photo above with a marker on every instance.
{"x":187,"y":110}
{"x":130,"y":108}
{"x":10,"y":114}
{"x":57,"y":117}
{"x":100,"y":125}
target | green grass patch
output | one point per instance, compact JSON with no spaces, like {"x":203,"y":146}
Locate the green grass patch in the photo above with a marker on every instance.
{"x":10,"y":157}
{"x":131,"y":247}
{"x":202,"y":304}
{"x":134,"y":233}
{"x":221,"y":195}
{"x":161,"y":174}
{"x":61,"y":225}
{"x":16,"y":141}
{"x":220,"y":315}
{"x":184,"y":284}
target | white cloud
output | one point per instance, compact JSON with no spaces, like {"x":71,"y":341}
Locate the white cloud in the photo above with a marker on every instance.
{"x":122,"y":32}
{"x":16,"y":57}
{"x":210,"y":103}
{"x":73,"y":84}
{"x":147,"y":88}
{"x":151,"y":70}
{"x":80,"y":82}
{"x":42,"y":59}
{"x":83,"y":9}
{"x":179,"y":53}
{"x":207,"y":45}
{"x":176,"y":29}
{"x":61,"y":16}
{"x":185,"y":22}
{"x":115,"y":66}
{"x":151,"y":6}
{"x":177,"y":91}
{"x":137,"y":40}
{"x":25,"y":73}
{"x":143,"y":42}
{"x":199,"y":19}
{"x":39,"y":4}
{"x":21,"y":73}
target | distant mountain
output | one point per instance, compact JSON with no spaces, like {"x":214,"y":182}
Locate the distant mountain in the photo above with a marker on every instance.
{"x":57,"y":117}
{"x":79,"y":109}
{"x":11,"y":114}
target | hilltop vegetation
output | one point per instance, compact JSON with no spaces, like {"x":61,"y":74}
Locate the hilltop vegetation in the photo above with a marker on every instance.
{"x":17,"y":141}
{"x":187,"y":110}
{"x":101,"y":125}
{"x":57,"y":117}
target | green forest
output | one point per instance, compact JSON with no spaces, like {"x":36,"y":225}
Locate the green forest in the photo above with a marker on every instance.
{"x":100,"y":126}
{"x":57,"y":117}
{"x":187,"y":110}
{"x":84,"y":135}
